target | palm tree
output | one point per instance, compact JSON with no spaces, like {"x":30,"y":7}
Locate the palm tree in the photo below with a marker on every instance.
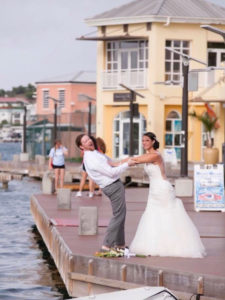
{"x":209,"y":122}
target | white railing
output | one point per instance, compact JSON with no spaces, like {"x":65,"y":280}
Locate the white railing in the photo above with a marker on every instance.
{"x":135,"y":78}
{"x":207,"y":79}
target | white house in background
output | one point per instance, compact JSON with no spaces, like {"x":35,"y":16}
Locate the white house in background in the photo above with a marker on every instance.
{"x":11,"y":116}
{"x":11,"y":110}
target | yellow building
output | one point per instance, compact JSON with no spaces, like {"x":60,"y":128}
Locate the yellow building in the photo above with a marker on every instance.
{"x":131,"y":49}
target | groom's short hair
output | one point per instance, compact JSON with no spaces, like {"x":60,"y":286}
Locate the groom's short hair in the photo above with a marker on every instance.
{"x":78,"y":139}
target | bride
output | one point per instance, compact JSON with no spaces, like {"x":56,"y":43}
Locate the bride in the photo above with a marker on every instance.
{"x":165,"y":229}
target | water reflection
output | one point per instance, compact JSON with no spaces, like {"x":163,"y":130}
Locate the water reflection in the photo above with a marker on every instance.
{"x":26,"y":269}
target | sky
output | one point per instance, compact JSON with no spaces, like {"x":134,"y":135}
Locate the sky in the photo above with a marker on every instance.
{"x":38,"y":38}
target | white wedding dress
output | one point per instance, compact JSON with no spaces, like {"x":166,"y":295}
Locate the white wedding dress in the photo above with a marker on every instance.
{"x":165,"y":229}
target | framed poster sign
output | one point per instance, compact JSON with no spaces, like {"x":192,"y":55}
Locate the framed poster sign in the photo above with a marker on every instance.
{"x":169,"y":155}
{"x":209,"y":187}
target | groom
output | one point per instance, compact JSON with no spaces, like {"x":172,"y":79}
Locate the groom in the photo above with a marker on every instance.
{"x":107,"y":178}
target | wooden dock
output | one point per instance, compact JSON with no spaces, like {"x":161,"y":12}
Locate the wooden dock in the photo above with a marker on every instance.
{"x":85,"y":274}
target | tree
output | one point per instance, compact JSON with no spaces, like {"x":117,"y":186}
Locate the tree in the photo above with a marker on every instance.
{"x":30,"y":91}
{"x":210,"y":122}
{"x":26,"y":91}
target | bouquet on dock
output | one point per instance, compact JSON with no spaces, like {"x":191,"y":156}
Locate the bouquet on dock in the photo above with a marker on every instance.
{"x":117,"y":253}
{"x":110,"y":253}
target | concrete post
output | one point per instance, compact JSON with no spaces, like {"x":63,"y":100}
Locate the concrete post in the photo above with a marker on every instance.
{"x":5,"y":184}
{"x":24,"y":156}
{"x":88,"y":220}
{"x":64,"y":199}
{"x":40,"y":159}
{"x":68,"y":177}
{"x":16,"y":158}
{"x":48,"y":183}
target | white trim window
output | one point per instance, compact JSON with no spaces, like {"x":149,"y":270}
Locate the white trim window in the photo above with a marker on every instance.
{"x":126,"y":55}
{"x":45,"y":100}
{"x":216,"y":54}
{"x":126,"y":62}
{"x":16,"y":118}
{"x":173,"y":61}
{"x":173,"y":135}
{"x":61,"y":95}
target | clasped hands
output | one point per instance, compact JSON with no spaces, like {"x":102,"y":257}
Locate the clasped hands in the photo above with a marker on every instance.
{"x":130,"y":160}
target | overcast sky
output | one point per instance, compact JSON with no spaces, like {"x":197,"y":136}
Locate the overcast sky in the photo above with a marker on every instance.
{"x":37,"y":38}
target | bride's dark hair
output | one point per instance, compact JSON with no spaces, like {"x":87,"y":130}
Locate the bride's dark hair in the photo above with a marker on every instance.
{"x":152,"y":136}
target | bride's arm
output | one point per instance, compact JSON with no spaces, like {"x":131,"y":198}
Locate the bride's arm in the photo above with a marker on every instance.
{"x":146,"y":158}
{"x":117,"y":163}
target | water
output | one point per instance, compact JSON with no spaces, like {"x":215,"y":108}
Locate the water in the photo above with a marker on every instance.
{"x":7,"y":150}
{"x":26,"y":270}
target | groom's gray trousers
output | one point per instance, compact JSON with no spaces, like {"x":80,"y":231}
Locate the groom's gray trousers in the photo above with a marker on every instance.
{"x":115,"y":231}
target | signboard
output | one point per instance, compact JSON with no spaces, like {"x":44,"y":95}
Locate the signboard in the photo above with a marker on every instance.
{"x":209,"y":187}
{"x":121,"y":97}
{"x":169,"y":155}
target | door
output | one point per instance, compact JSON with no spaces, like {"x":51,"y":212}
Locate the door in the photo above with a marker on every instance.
{"x":125,"y":138}
{"x":128,"y":59}
{"x":122,"y":134}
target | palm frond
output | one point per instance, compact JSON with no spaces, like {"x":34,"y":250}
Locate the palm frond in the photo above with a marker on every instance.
{"x":208,"y":122}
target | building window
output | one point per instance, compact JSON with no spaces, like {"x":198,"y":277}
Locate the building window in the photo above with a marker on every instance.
{"x":127,"y":55}
{"x":16,"y":118}
{"x":173,"y":134}
{"x":216,"y":54}
{"x":127,"y":63}
{"x":62,"y":98}
{"x":45,"y":99}
{"x":173,"y":61}
{"x":121,"y":129}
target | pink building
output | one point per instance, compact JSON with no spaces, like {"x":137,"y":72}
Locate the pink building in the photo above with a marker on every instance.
{"x":67,"y":89}
{"x":74,"y":91}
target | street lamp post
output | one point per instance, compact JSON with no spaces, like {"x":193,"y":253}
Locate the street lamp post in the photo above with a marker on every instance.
{"x":24,"y":129}
{"x":55,"y":121}
{"x":89,"y":118}
{"x":215,"y":30}
{"x":24,"y":143}
{"x":184,"y":150}
{"x":84,"y":97}
{"x":56,"y":101}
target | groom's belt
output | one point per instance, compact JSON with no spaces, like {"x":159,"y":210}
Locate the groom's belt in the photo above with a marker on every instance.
{"x":118,"y":180}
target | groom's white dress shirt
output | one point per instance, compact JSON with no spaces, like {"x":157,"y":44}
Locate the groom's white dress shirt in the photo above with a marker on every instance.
{"x":99,"y":170}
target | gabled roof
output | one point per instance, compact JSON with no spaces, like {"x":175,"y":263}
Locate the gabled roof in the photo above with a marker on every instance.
{"x":82,"y":76}
{"x":138,"y":11}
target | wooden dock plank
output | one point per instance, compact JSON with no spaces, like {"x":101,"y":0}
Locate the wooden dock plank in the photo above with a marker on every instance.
{"x":182,"y":274}
{"x":118,"y":284}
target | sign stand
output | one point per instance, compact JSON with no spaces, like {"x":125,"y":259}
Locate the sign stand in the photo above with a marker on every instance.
{"x":209,"y":187}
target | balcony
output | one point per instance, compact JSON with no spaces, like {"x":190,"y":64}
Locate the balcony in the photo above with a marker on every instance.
{"x":212,"y":84}
{"x":134,"y":78}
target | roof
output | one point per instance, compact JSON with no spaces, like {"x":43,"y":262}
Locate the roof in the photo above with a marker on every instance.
{"x":12,"y":100}
{"x":81,"y":76}
{"x":138,"y":11}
